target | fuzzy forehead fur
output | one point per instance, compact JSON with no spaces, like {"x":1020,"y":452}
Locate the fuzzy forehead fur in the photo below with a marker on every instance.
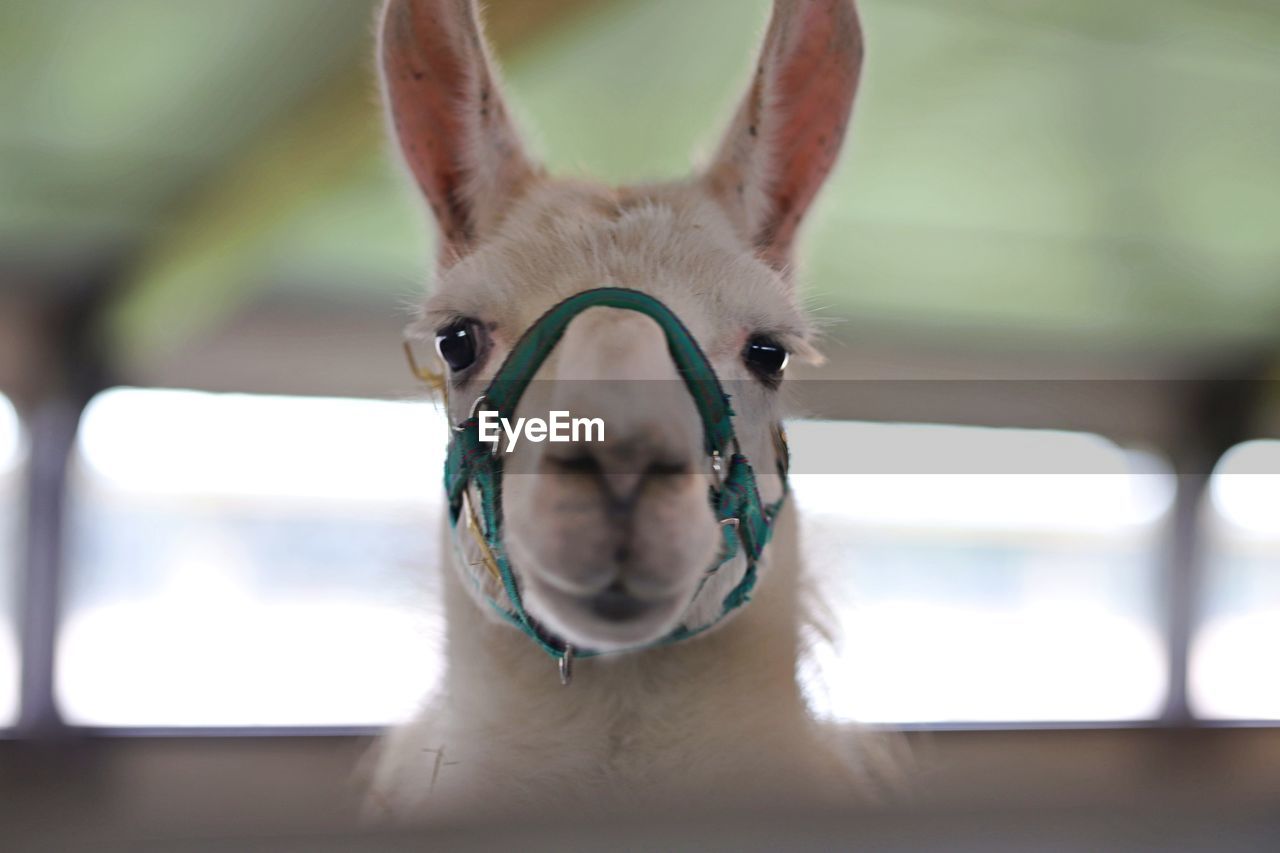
{"x":670,"y":240}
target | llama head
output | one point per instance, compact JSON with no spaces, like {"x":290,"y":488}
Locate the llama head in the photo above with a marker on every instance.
{"x":611,"y":541}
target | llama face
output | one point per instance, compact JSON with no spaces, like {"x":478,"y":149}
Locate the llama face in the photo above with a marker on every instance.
{"x":611,"y":541}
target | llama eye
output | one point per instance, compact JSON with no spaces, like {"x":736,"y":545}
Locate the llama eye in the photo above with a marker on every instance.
{"x":458,"y":344}
{"x":766,"y":358}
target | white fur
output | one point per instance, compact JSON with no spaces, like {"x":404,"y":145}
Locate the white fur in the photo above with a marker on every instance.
{"x":717,"y":719}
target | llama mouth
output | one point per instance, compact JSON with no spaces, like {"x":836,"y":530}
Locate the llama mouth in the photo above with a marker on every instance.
{"x":614,"y":617}
{"x":616,"y":604}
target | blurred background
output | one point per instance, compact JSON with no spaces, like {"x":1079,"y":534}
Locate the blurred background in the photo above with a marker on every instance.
{"x":1052,"y":239}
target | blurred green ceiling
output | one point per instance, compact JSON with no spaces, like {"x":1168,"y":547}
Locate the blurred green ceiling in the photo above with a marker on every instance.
{"x":1097,"y":173}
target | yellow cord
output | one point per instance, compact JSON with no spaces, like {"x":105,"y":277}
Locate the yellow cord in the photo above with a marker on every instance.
{"x":435,"y":379}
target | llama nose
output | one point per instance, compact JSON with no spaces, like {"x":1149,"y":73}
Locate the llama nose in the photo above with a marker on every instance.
{"x":621,"y":469}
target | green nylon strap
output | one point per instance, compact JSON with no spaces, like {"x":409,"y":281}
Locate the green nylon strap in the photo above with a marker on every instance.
{"x":535,"y":345}
{"x":533,"y":348}
{"x":470,"y":462}
{"x":467,"y":458}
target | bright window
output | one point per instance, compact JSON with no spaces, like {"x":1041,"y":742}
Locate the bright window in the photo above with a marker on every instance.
{"x":244,"y":560}
{"x":1236,"y":654}
{"x":983,"y":574}
{"x":12,"y":452}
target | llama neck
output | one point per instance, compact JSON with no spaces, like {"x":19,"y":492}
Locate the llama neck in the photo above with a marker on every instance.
{"x":736,"y":682}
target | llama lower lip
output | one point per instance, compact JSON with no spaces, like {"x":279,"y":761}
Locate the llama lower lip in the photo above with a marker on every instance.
{"x":606,"y":619}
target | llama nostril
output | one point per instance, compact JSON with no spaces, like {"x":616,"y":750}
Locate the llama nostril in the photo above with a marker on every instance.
{"x":621,"y":470}
{"x":577,"y":462}
{"x":667,"y":468}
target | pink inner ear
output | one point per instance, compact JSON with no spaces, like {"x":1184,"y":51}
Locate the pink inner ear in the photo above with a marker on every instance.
{"x":812,"y":96}
{"x":427,"y":79}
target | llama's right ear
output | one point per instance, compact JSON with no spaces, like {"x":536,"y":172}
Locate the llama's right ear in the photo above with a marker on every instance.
{"x":442,"y":91}
{"x":786,"y":135}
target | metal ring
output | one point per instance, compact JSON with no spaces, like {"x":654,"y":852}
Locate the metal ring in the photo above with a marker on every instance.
{"x":475,"y":407}
{"x":566,"y":666}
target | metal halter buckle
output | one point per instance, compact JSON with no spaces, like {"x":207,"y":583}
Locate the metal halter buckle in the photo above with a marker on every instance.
{"x":719,"y":468}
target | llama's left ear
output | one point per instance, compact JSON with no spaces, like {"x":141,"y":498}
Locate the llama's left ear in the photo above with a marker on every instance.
{"x":455,"y":133}
{"x":786,"y":135}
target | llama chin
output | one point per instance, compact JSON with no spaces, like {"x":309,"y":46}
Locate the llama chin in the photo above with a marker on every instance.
{"x":609,"y":541}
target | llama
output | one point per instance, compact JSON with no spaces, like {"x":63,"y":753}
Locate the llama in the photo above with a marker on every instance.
{"x":609,"y":543}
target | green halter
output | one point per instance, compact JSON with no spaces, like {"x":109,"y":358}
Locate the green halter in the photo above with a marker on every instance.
{"x":745,"y":521}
